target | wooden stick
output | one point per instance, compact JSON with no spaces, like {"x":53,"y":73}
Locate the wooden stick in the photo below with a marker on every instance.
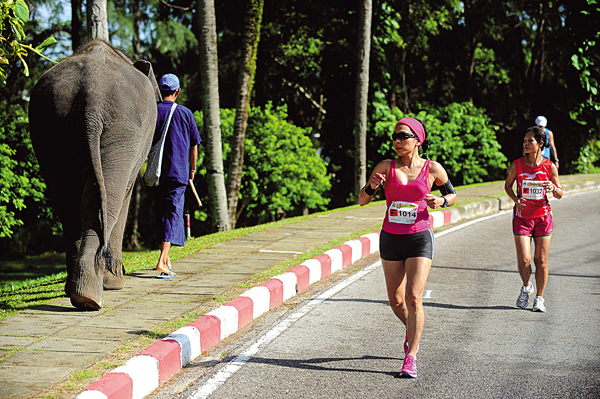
{"x":195,"y":193}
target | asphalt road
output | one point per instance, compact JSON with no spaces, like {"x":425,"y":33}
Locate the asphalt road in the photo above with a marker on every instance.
{"x":345,"y":342}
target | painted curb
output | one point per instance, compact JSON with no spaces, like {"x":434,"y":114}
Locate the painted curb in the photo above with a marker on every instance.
{"x":161,"y":360}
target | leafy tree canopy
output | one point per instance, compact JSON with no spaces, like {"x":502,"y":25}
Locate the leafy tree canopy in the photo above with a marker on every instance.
{"x":460,"y":136}
{"x":13,"y":14}
{"x":283,"y":173}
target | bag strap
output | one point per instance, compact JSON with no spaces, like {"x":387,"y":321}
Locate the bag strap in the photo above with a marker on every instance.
{"x":164,"y":134}
{"x":166,"y":127}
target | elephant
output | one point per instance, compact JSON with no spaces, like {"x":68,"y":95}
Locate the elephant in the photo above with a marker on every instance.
{"x":92,"y":119}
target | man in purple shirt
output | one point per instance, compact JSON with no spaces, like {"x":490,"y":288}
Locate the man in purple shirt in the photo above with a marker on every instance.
{"x":178,"y":169}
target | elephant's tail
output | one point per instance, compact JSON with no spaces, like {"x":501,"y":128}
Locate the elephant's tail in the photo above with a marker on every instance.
{"x":104,"y":256}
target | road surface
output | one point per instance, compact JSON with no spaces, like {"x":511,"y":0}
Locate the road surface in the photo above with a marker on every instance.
{"x":345,"y":342}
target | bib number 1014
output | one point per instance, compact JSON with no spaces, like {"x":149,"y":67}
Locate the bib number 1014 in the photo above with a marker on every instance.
{"x":403,"y":213}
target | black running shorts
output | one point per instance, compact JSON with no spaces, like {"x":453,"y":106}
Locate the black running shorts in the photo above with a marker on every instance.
{"x":399,"y":247}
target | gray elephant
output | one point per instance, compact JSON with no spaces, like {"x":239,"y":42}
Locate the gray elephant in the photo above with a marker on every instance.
{"x":92,"y":118}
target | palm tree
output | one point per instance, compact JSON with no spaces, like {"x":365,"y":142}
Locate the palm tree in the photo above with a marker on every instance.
{"x":97,"y":19}
{"x":76,"y":24}
{"x":210,"y":111}
{"x":361,"y":94}
{"x":252,"y":19}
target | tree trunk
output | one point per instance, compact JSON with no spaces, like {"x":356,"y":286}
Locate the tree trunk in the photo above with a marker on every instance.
{"x":130,"y":238}
{"x":76,"y":24}
{"x":137,"y":21}
{"x":535,"y":70}
{"x":97,"y":20}
{"x":210,"y":110}
{"x":361,"y":96}
{"x":406,"y":106}
{"x":252,"y":21}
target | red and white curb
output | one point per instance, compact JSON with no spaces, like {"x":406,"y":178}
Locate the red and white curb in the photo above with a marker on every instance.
{"x":441,"y":218}
{"x":160,"y":361}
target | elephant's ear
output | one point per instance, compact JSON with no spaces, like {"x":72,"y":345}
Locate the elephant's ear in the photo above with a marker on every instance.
{"x":146,"y":68}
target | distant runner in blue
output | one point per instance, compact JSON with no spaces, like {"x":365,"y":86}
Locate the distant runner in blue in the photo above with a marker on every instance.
{"x":549,"y":151}
{"x":178,"y":168}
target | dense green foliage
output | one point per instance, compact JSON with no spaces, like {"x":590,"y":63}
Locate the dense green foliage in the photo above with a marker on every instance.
{"x":21,"y":186}
{"x":477,"y":73}
{"x":13,"y":15}
{"x":589,"y":158}
{"x":460,"y":136}
{"x":283,"y":174}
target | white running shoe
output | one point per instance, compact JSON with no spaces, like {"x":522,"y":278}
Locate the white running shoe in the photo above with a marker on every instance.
{"x":539,"y":305}
{"x":523,"y":299}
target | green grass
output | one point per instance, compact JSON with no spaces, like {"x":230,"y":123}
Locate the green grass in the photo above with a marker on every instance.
{"x":31,"y":271}
{"x":28,"y":284}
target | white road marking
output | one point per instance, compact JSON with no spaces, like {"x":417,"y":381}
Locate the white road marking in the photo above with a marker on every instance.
{"x":460,"y":226}
{"x":219,"y":379}
{"x":280,"y":252}
{"x":427,"y":294}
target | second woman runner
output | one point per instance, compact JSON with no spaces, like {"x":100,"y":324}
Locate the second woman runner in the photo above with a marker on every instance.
{"x":536,"y":177}
{"x":406,"y":241}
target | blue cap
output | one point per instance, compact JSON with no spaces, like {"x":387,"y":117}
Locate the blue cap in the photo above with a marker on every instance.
{"x":169,"y":82}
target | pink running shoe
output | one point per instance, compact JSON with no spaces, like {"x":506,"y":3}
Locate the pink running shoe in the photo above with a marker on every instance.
{"x":409,"y":369}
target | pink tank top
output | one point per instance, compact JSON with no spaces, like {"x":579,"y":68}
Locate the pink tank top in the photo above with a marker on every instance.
{"x":406,"y":207}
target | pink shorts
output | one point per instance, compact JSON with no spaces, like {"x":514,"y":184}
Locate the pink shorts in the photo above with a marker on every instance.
{"x":533,"y":227}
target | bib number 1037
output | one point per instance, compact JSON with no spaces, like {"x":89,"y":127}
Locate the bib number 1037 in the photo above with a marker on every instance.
{"x":533,"y":190}
{"x":402,"y":212}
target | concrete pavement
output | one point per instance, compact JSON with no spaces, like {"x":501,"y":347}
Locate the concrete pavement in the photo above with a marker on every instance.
{"x":55,"y":340}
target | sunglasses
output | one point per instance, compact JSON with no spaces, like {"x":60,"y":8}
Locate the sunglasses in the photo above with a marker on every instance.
{"x":403,"y":136}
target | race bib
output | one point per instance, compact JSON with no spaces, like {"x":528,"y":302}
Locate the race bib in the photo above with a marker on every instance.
{"x":533,"y":189}
{"x":402,"y":212}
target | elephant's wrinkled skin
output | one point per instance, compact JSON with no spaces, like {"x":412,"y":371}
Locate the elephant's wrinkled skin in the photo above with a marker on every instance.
{"x":92,"y":118}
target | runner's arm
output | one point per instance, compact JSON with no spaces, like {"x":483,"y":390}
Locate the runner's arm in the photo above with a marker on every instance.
{"x":553,"y":147}
{"x":378,"y":177}
{"x":554,"y":184}
{"x":508,"y":186}
{"x":441,"y":179}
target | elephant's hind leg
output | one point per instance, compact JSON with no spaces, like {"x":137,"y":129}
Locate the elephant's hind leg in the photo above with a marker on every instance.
{"x":86,"y":290}
{"x":114,"y":279}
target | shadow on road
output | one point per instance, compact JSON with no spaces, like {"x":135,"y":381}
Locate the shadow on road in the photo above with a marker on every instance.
{"x":316,"y":364}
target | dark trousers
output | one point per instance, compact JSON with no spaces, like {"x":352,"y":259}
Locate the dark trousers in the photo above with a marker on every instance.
{"x":169,"y":198}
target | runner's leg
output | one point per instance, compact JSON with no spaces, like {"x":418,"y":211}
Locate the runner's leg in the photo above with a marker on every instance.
{"x":395,"y":284}
{"x":523,"y":245}
{"x":542,"y":246}
{"x":417,"y":271}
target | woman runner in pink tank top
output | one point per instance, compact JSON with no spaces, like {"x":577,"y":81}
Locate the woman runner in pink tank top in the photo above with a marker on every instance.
{"x":406,"y":240}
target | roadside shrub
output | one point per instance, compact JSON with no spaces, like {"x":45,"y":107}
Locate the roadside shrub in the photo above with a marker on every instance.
{"x":460,"y":135}
{"x":589,"y":158}
{"x":283,"y":174}
{"x":26,"y":219}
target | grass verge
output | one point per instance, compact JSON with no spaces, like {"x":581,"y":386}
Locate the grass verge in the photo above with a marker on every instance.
{"x":30,"y":293}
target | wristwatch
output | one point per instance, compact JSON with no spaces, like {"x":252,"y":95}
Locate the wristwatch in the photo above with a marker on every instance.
{"x":445,"y":204}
